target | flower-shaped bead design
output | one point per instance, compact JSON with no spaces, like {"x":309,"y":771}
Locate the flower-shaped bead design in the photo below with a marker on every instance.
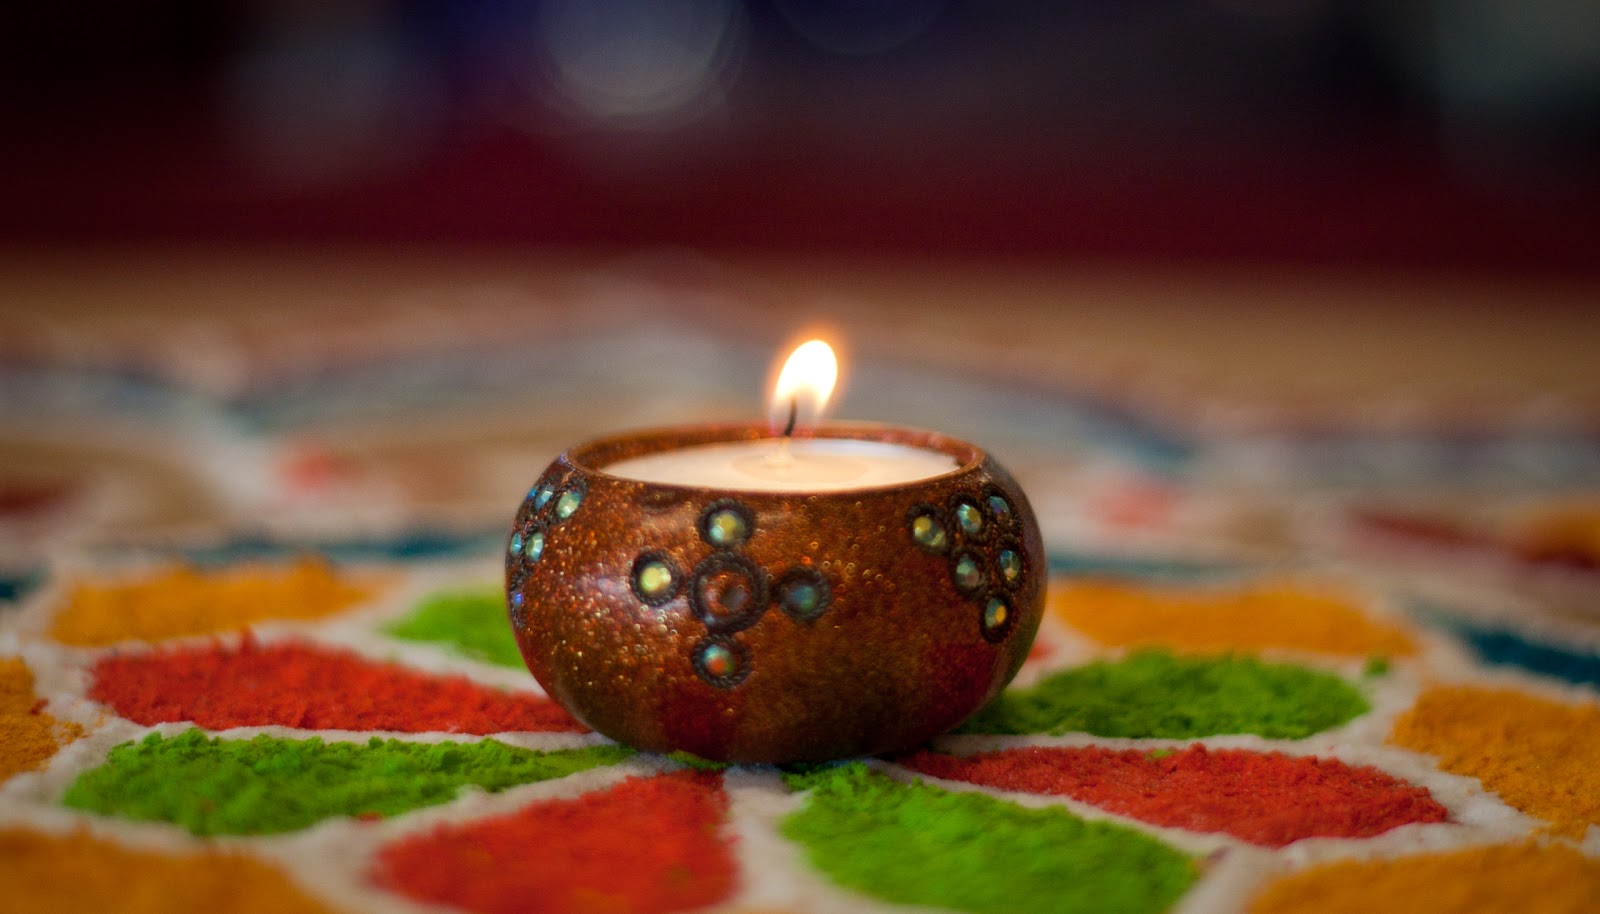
{"x":977,"y":533}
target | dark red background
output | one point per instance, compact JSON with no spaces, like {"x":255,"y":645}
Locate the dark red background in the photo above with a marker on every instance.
{"x":1310,"y":132}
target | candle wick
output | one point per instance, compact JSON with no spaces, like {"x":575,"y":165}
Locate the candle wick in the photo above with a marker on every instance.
{"x":794,"y":413}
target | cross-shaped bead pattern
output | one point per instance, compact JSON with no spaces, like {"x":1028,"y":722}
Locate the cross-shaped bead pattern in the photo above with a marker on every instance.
{"x":727,"y":591}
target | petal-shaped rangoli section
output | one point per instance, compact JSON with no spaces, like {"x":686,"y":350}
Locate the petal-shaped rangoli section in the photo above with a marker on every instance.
{"x":28,"y":736}
{"x":646,"y":846}
{"x":1540,"y":756}
{"x":309,"y":687}
{"x":1525,"y":878}
{"x":919,"y":845}
{"x":267,"y":785}
{"x":1265,"y":798}
{"x":60,"y":873}
{"x":1156,"y":694}
{"x":1258,"y":616}
{"x":182,"y":601}
{"x":471,"y":623}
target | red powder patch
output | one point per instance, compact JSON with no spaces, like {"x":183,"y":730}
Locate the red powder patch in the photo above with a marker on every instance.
{"x":301,"y":685}
{"x":1265,"y":798}
{"x":647,"y":845}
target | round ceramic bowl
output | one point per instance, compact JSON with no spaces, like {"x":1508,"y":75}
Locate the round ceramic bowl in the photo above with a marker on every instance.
{"x":773,"y":626}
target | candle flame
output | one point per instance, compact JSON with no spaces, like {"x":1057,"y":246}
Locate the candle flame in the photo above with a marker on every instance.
{"x":804,"y":386}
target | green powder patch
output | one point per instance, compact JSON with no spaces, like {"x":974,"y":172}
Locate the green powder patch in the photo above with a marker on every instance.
{"x":265,"y":785}
{"x":919,"y":845}
{"x":471,"y":623}
{"x":1157,"y":694}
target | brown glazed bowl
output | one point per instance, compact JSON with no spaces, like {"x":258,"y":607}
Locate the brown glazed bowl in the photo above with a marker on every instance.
{"x":773,"y":626}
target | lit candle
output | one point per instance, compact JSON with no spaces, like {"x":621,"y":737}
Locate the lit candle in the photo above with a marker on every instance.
{"x":783,"y":463}
{"x":777,"y":591}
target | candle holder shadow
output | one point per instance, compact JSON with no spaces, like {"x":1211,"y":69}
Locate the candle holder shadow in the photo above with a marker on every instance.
{"x":773,"y":627}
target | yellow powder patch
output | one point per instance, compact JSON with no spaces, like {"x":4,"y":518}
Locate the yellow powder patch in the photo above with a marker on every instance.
{"x":1264,"y":615}
{"x":183,"y":601}
{"x":45,"y":874}
{"x":1524,"y":878}
{"x":28,"y":736}
{"x":1539,"y":756}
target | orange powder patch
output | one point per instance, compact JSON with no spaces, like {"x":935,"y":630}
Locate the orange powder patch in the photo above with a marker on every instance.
{"x":1524,"y":878}
{"x":1539,"y":756}
{"x":182,"y":601}
{"x":1266,"y":615}
{"x":1568,"y":535}
{"x":28,"y":736}
{"x":46,"y":874}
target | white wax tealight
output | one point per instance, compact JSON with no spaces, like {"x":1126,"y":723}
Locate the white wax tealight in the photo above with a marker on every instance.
{"x":804,"y":465}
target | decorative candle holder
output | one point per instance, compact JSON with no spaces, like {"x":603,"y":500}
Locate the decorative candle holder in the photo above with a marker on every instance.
{"x":752,"y":626}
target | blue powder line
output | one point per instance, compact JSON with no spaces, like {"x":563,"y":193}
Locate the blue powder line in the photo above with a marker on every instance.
{"x":1507,"y":648}
{"x":1142,"y":568}
{"x":16,"y":585}
{"x":1501,"y":646}
{"x":408,"y":546}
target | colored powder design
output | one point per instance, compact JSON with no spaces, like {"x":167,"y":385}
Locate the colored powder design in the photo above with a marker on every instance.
{"x":1539,"y":756}
{"x":419,"y":545}
{"x":918,"y":845}
{"x":645,"y":846}
{"x":1154,"y":694}
{"x":1566,"y":535}
{"x":1262,"y":615}
{"x":1525,"y":878}
{"x":314,"y":688}
{"x":214,"y":786}
{"x":183,"y":601}
{"x":15,"y":586}
{"x":473,"y":623}
{"x":1266,"y":798}
{"x":1507,"y":648}
{"x":48,"y":874}
{"x":1083,"y":564}
{"x":28,"y":736}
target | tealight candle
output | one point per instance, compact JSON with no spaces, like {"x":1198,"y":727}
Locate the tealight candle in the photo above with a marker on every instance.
{"x":808,"y":465}
{"x":793,"y":592}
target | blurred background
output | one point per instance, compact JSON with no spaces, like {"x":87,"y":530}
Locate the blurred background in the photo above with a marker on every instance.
{"x":1365,"y":133}
{"x":1230,"y":275}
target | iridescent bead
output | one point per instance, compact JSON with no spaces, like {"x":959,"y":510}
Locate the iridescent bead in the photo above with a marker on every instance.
{"x":801,"y":599}
{"x":518,"y":614}
{"x":516,"y":544}
{"x":967,"y":572}
{"x":653,"y":579}
{"x":1010,"y":563}
{"x":803,"y":594}
{"x":996,"y":614}
{"x":568,"y":503}
{"x":721,"y":662}
{"x":717,"y":660}
{"x":969,"y":518}
{"x":929,"y":533}
{"x":725,"y":528}
{"x":534,"y":547}
{"x":1000,"y":508}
